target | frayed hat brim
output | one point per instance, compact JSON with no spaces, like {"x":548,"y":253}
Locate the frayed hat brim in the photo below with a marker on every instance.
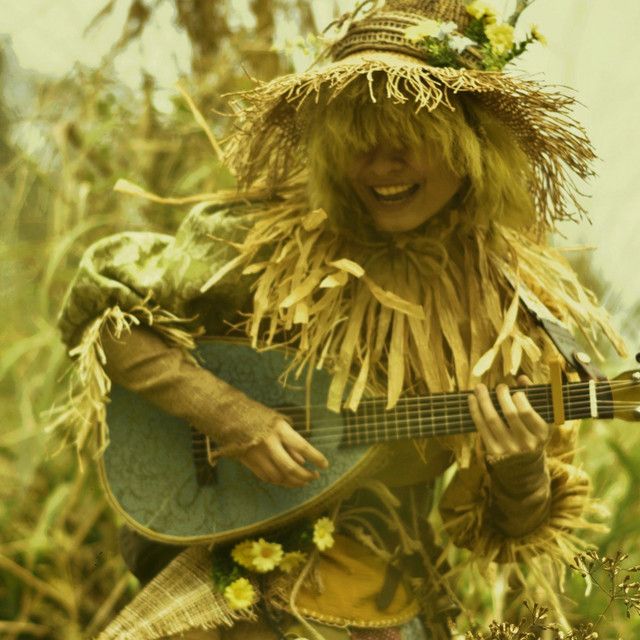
{"x":269,"y":141}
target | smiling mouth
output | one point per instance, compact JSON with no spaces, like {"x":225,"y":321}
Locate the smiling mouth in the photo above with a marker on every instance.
{"x":394,"y":193}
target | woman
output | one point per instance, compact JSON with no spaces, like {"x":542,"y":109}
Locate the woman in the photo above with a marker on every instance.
{"x":390,"y":204}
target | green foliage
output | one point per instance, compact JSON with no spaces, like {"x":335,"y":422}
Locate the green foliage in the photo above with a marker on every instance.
{"x":61,"y":575}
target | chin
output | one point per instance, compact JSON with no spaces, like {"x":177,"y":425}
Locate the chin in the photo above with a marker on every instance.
{"x":398,"y":224}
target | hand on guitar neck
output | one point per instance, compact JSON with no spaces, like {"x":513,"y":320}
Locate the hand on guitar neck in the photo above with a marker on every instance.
{"x":522,"y":430}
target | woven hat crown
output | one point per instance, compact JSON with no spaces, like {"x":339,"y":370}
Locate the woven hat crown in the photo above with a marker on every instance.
{"x":441,"y":10}
{"x":384,"y":29}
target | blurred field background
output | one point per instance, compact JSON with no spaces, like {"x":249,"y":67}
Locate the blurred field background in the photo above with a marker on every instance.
{"x":87,"y":96}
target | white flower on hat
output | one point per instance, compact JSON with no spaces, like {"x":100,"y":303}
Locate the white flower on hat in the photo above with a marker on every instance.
{"x":447,"y":28}
{"x":460,"y":43}
{"x":424,"y":29}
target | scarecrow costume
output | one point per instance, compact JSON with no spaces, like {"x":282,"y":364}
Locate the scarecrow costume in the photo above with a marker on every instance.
{"x":291,"y":258}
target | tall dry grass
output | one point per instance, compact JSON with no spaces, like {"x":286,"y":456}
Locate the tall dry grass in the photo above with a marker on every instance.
{"x":60,"y":573}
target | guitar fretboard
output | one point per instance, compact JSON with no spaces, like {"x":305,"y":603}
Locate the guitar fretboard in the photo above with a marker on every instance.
{"x":443,"y":414}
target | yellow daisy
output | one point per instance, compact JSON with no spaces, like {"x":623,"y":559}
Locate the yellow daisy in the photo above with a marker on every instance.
{"x":242,"y":553}
{"x":501,"y":37}
{"x":266,"y":555}
{"x":480,"y":10}
{"x":240,"y":594}
{"x":536,"y":35}
{"x":292,"y":560}
{"x":323,"y":533}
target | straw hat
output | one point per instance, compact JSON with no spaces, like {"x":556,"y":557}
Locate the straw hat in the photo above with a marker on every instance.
{"x":380,"y":44}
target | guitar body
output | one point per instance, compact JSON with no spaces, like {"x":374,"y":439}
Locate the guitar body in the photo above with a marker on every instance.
{"x":148,"y":468}
{"x":151,"y":477}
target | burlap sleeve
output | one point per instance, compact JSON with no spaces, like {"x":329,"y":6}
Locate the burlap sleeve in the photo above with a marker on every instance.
{"x":140,"y":360}
{"x":132,"y":313}
{"x":520,"y":506}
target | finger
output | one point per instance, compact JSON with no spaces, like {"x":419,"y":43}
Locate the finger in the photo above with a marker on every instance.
{"x":290,"y":470}
{"x":520,"y":437}
{"x":299,"y":458}
{"x":260,"y":465}
{"x":534,"y":422}
{"x":491,"y":445}
{"x":294,"y":454}
{"x":524,"y":381}
{"x":490,"y":415}
{"x":303,"y":447}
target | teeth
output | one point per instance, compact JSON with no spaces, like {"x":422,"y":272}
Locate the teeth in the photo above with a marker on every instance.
{"x":392,"y":191}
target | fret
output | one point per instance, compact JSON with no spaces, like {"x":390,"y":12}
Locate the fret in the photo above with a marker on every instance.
{"x":433,"y":418}
{"x":395,"y":421}
{"x":407,"y":417}
{"x":419,"y":412}
{"x":348,"y":427}
{"x":386,"y":423}
{"x":445,"y":413}
{"x":364,"y":419}
{"x":460,"y":414}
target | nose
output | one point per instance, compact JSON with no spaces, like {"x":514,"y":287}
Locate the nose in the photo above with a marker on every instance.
{"x":383,"y":161}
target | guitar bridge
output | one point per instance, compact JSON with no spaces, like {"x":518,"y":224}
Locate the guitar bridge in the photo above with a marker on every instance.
{"x":203,"y":453}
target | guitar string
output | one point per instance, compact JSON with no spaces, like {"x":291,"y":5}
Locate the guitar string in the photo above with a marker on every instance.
{"x":455,"y":400}
{"x":532,"y":392}
{"x":428,"y":420}
{"x":405,"y":429}
{"x":427,"y":409}
{"x":423,"y":422}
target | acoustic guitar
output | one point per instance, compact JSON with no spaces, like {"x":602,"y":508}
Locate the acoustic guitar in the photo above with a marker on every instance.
{"x":156,"y":469}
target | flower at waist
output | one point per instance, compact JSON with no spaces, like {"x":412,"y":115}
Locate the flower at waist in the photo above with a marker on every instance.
{"x":323,"y":533}
{"x":266,"y":555}
{"x":240,"y":594}
{"x":242,"y":554}
{"x":291,"y":561}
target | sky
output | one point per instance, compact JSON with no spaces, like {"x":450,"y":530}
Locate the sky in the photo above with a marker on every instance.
{"x":592,"y":47}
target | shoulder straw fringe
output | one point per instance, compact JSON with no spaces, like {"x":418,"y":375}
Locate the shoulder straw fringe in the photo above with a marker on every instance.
{"x":83,"y":416}
{"x":180,"y":598}
{"x":271,"y":118}
{"x":392,"y":316}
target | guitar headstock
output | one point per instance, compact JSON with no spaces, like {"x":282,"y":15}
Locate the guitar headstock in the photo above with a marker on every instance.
{"x":625,"y":390}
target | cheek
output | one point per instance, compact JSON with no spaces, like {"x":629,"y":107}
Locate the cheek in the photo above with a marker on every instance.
{"x":443,"y":184}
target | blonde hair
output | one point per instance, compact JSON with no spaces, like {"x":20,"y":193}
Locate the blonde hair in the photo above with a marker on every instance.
{"x":474,"y":143}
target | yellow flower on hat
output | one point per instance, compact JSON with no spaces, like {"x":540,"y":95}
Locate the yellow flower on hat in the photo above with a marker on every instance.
{"x":501,"y":37}
{"x":536,"y":35}
{"x":291,"y":561}
{"x":480,"y":10}
{"x":240,"y":594}
{"x":242,"y":553}
{"x":266,"y":555}
{"x":323,"y":533}
{"x":424,"y":29}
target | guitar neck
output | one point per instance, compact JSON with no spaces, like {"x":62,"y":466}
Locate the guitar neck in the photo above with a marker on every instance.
{"x":444,"y":414}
